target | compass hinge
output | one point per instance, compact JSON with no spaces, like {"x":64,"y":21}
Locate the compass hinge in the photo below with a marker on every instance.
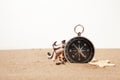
{"x":79,"y":34}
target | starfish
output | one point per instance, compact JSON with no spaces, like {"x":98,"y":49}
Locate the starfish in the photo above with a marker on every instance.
{"x":101,"y":63}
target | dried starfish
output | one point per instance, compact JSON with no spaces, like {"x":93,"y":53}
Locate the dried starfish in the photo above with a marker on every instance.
{"x":101,"y":63}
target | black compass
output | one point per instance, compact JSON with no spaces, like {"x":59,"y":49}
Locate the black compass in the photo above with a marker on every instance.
{"x":79,"y":49}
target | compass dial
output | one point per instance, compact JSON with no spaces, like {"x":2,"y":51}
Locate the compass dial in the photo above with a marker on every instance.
{"x":79,"y":50}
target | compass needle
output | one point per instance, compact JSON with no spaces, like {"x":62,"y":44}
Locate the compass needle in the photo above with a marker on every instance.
{"x":75,"y":46}
{"x":82,"y":54}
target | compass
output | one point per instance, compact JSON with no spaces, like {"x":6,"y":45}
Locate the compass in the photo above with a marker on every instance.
{"x":79,"y":49}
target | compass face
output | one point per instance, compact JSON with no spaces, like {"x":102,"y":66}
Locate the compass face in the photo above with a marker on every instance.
{"x":79,"y":50}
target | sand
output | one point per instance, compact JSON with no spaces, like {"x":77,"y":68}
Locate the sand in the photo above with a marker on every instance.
{"x":33,"y":64}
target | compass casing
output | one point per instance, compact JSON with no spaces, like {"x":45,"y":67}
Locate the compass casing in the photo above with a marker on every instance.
{"x":79,"y":50}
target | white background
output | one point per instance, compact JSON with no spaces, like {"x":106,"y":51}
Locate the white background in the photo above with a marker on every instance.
{"x":26,"y":24}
